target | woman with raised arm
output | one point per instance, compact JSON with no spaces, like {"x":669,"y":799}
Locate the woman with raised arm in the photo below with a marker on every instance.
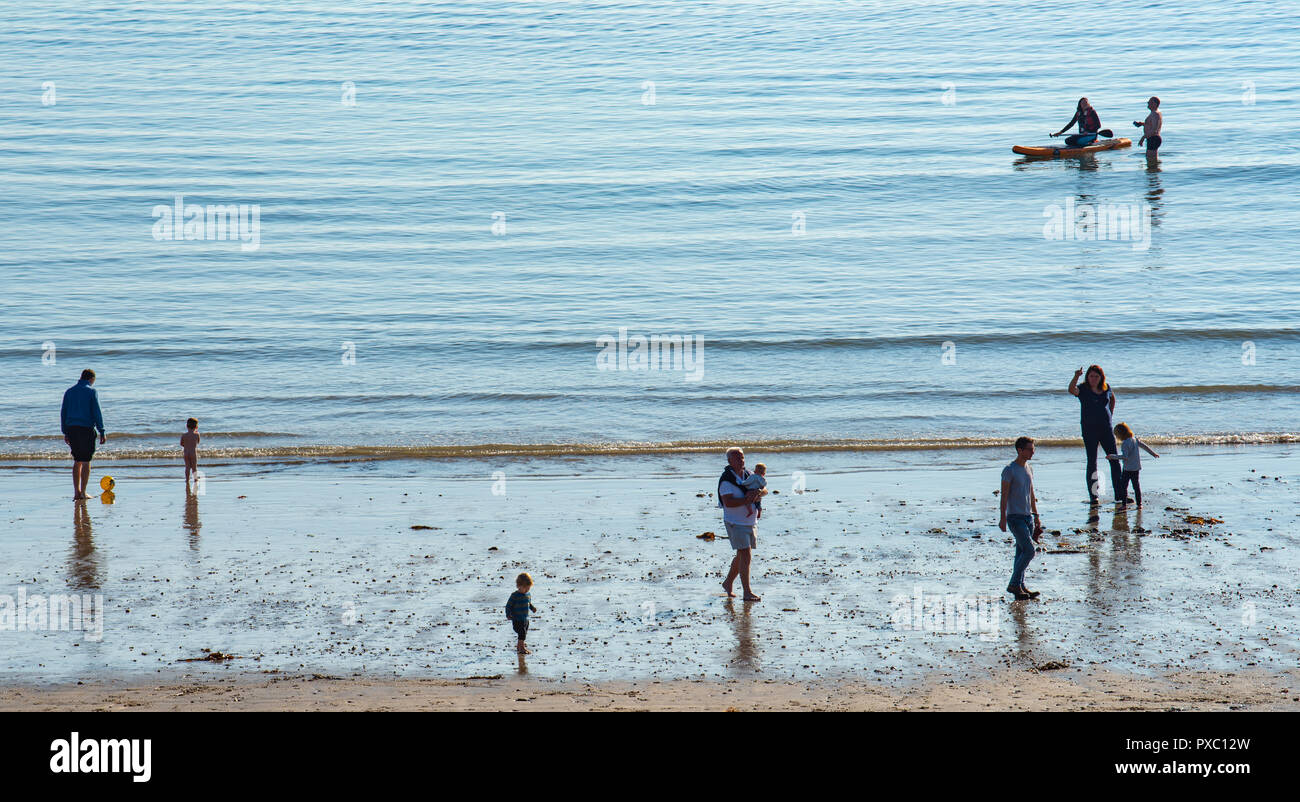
{"x":1096,"y":404}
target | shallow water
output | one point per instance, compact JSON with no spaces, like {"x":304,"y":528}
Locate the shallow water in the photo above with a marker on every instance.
{"x":883,"y":129}
{"x":316,"y":569}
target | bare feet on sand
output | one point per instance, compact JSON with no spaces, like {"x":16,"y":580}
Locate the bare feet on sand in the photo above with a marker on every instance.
{"x":524,"y":649}
{"x":727,"y":588}
{"x":752,"y":597}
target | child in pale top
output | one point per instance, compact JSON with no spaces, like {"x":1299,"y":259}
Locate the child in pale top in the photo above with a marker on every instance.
{"x":756,"y":481}
{"x":1128,"y":452}
{"x":190,"y":445}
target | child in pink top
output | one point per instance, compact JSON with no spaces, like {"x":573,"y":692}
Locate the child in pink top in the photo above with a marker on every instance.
{"x":190,"y":443}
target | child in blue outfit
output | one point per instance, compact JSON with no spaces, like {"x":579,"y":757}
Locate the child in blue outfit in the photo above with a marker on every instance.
{"x":517,"y":607}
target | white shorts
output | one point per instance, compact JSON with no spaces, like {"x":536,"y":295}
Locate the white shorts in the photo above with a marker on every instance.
{"x":742,"y":536}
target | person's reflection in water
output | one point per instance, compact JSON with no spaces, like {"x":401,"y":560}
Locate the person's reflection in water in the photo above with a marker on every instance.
{"x":1115,"y":577}
{"x":1085,"y":164}
{"x":1094,"y":521}
{"x":1096,"y":600}
{"x":1155,"y":194}
{"x":83,"y":563}
{"x":1024,"y":634}
{"x":1119,"y":523}
{"x":523,"y":665}
{"x":1126,"y":553}
{"x":742,"y":626}
{"x":1120,"y":570}
{"x":192,"y":523}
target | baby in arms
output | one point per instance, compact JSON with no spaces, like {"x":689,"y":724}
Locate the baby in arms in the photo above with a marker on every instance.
{"x":756,"y":481}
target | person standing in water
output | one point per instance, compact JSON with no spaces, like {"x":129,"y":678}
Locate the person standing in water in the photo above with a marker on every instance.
{"x":1089,"y":124}
{"x":1151,"y":127}
{"x":190,"y":449}
{"x":1096,"y":405}
{"x":79,"y":417}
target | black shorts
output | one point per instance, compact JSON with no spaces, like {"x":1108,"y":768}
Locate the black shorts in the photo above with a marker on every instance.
{"x":521,"y":627}
{"x":82,"y":441}
{"x":1153,"y":143}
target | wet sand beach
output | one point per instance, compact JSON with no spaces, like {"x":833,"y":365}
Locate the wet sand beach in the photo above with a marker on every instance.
{"x":455,"y":291}
{"x":389,"y":579}
{"x":1027,"y":690}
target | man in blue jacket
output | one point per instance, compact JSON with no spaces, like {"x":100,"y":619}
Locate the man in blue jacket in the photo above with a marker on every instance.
{"x":79,"y":418}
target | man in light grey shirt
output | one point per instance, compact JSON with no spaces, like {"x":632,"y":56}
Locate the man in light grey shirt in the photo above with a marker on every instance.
{"x":1020,"y":512}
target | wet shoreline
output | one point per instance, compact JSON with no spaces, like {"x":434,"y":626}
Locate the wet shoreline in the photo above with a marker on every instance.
{"x":318,"y":569}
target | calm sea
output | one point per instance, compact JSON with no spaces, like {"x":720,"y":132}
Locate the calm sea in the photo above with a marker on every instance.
{"x":447,"y":206}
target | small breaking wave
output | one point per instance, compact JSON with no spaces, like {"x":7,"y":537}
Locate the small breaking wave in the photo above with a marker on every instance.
{"x":359,"y":453}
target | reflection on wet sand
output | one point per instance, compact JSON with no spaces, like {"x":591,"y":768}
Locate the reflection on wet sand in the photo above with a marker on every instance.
{"x":742,"y":626}
{"x":83,"y":563}
{"x":1024,"y":634}
{"x":192,"y":524}
{"x":1119,"y":521}
{"x":1113,"y":578}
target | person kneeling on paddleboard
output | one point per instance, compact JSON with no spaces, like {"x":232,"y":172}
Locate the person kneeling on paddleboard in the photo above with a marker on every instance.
{"x":1089,"y":125}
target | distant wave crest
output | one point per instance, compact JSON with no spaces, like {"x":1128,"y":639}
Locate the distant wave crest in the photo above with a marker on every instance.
{"x":359,"y":453}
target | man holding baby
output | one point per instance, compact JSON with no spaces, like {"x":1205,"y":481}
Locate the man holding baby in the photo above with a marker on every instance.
{"x":739,"y":492}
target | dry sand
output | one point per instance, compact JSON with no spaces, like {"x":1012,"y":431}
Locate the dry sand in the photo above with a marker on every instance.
{"x":1005,"y":690}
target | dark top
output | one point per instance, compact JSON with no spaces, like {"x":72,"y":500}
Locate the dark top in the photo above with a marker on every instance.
{"x":729,"y":475}
{"x":1089,"y":122}
{"x":81,"y":408}
{"x":1094,"y":408}
{"x":518,"y":605}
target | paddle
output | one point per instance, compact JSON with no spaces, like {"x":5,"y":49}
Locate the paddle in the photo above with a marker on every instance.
{"x":1104,"y":133}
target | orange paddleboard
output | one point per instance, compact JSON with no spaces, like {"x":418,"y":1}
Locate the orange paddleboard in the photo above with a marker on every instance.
{"x":1050,"y":152}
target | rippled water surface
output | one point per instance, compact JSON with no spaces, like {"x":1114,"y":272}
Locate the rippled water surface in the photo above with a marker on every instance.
{"x":457,"y":201}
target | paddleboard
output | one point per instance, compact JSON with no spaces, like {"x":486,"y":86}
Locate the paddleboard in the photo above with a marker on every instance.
{"x":1052,"y":152}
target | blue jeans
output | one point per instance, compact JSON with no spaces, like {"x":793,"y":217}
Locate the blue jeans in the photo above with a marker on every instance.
{"x":1022,"y":526}
{"x":1101,"y":435}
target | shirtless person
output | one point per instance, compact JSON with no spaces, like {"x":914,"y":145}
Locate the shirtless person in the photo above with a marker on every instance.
{"x":1151,"y":127}
{"x":190,"y":446}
